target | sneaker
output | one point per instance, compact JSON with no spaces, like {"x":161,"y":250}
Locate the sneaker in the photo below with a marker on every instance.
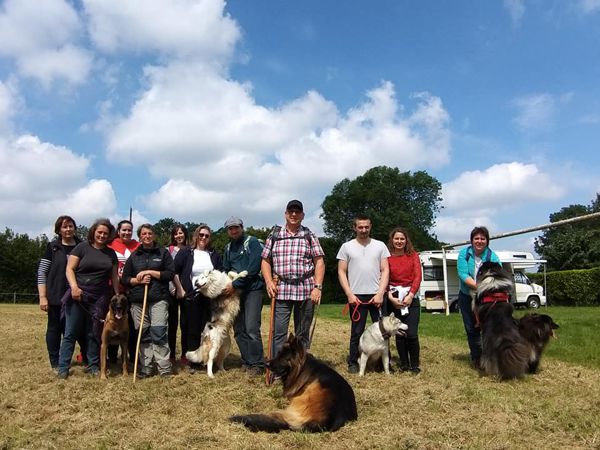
{"x":62,"y":375}
{"x":353,"y":368}
{"x":415,"y":370}
{"x":404,"y":369}
{"x":166,"y":374}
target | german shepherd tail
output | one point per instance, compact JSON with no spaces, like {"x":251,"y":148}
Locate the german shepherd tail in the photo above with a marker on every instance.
{"x":262,"y":422}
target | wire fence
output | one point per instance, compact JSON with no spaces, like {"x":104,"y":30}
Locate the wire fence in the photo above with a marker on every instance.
{"x":18,"y":297}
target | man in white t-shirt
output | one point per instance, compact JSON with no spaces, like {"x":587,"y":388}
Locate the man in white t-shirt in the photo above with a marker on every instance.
{"x":363,"y":273}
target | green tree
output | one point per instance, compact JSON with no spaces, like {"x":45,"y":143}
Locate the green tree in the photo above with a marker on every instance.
{"x":19,"y":257}
{"x":572,"y":246}
{"x":390,"y":198}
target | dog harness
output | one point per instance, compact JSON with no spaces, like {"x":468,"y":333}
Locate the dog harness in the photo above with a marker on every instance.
{"x":495,"y":297}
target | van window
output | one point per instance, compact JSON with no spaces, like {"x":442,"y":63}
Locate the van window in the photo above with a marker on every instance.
{"x":521,"y":278}
{"x":433,"y":273}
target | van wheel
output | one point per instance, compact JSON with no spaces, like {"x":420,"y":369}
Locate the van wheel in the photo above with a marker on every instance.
{"x":533,"y":302}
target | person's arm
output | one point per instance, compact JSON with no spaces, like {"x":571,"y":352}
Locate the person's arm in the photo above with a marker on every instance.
{"x":72,"y":264}
{"x":416,"y":280}
{"x":315,"y":294}
{"x":267,"y":272}
{"x":384,"y":268}
{"x":343,"y":279}
{"x":462,"y":267}
{"x":42,"y":277}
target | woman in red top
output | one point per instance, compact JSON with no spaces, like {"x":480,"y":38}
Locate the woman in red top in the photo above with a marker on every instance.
{"x":403,"y":302}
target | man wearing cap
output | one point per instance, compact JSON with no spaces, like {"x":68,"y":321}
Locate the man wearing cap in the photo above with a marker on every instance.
{"x":243,"y":252}
{"x":293,"y":255}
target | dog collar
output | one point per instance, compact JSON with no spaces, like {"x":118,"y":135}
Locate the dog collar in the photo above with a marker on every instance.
{"x":384,"y":333}
{"x":495,"y":297}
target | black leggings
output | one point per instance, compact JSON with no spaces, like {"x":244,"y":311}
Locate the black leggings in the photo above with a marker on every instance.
{"x":408,"y":346}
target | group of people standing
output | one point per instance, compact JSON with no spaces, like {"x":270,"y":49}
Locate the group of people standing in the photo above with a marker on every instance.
{"x":76,"y":280}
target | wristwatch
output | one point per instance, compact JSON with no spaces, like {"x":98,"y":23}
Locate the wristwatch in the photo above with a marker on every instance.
{"x":319,"y":287}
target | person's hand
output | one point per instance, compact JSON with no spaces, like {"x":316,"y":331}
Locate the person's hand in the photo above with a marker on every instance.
{"x":377,"y":298}
{"x":407,"y":300}
{"x":271,"y":289}
{"x":44,"y":303}
{"x":394,"y":300}
{"x":76,"y":293}
{"x":144,"y":277}
{"x":228,"y":290}
{"x":352,"y":299}
{"x":315,"y":296}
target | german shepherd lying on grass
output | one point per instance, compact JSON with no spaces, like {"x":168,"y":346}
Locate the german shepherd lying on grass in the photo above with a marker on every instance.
{"x":510,"y":348}
{"x":320,"y":398}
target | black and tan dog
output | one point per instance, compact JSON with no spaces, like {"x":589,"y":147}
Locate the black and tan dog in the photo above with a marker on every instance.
{"x":510,"y":347}
{"x":115,"y":331}
{"x":320,"y":398}
{"x":537,"y":329}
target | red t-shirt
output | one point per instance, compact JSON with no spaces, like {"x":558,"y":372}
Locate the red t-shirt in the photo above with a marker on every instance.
{"x":405,"y":270}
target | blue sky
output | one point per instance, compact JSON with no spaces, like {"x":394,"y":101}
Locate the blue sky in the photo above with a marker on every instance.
{"x":200,"y":109}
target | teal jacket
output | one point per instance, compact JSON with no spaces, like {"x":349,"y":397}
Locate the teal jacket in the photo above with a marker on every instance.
{"x":239,"y":257}
{"x":466,"y":265}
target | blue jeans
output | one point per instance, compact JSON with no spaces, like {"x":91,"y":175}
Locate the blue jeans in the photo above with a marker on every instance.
{"x":473,"y":333}
{"x":247,"y":329}
{"x":303,"y":315}
{"x":78,"y":321}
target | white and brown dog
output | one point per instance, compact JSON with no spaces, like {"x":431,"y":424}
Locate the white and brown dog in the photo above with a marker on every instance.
{"x":216,"y":342}
{"x":374,"y":343}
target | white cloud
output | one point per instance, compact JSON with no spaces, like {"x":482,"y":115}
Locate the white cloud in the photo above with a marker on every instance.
{"x":41,"y":37}
{"x":9,"y":105}
{"x":589,"y":6}
{"x":516,"y":9}
{"x":500,"y":186}
{"x":181,"y":28}
{"x":535,"y":112}
{"x":40,"y":181}
{"x":210,"y":138}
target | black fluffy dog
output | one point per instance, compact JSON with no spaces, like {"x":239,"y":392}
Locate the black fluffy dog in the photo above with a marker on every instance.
{"x":510,"y":348}
{"x":537,"y":329}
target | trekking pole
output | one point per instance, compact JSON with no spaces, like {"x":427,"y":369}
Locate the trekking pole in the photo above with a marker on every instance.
{"x":139,"y":339}
{"x":314,"y":324}
{"x":271,"y":326}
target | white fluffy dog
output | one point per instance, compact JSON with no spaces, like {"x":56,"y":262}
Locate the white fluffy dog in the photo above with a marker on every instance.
{"x":375,"y":343}
{"x":216,"y":342}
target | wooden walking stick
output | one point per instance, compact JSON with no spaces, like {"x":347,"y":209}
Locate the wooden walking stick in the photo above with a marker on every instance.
{"x":139,"y":339}
{"x":268,"y":380}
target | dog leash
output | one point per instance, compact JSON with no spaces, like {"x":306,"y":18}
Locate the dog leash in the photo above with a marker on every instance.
{"x":355,"y":312}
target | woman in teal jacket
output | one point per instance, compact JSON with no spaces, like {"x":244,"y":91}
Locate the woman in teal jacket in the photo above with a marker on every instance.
{"x":469,"y":260}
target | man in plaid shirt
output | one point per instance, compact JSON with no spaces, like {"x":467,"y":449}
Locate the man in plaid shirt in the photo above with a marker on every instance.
{"x":294,"y":255}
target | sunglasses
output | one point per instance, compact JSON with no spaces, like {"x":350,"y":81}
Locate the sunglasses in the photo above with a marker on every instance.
{"x":203,"y":235}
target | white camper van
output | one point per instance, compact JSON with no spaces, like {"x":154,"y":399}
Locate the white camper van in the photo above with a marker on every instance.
{"x":432,"y":291}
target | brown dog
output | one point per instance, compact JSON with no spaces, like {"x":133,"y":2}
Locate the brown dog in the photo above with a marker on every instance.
{"x":116,"y":331}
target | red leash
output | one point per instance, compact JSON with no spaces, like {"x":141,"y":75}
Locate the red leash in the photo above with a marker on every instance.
{"x":355,"y":312}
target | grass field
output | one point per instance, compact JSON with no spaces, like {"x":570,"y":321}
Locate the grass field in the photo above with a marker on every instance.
{"x":447,"y":406}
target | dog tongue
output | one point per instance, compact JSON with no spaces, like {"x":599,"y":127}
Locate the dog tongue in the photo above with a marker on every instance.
{"x":118,"y":316}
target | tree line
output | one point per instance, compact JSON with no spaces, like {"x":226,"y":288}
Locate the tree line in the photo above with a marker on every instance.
{"x":387,"y":195}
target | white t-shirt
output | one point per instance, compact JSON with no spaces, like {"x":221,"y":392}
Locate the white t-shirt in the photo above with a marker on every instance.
{"x":202,"y":262}
{"x":364,"y":264}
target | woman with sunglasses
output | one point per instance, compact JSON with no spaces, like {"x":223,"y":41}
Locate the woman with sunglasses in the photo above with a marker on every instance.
{"x":191,"y":262}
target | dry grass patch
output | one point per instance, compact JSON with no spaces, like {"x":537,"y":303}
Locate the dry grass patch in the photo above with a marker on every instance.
{"x":447,"y":406}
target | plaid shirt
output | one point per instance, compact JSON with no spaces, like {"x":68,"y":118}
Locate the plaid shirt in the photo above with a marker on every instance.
{"x":292,"y":258}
